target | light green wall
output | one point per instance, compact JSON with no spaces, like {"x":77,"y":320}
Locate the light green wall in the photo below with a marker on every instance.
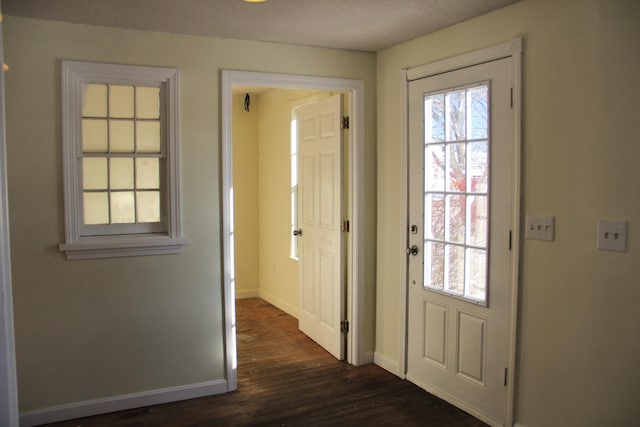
{"x":578,"y":340}
{"x":99,"y":328}
{"x":245,"y":195}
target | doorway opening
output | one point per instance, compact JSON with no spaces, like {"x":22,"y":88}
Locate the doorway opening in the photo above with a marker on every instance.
{"x":354,"y":183}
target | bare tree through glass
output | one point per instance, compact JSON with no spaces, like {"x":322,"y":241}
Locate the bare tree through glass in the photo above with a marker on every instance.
{"x":457,"y":191}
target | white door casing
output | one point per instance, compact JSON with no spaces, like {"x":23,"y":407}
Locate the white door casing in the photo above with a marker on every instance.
{"x":320,"y":213}
{"x":8,"y":378}
{"x":457,"y":348}
{"x":356,"y":351}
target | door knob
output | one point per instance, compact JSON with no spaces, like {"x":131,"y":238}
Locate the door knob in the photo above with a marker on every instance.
{"x":413,"y":250}
{"x":297,"y":232}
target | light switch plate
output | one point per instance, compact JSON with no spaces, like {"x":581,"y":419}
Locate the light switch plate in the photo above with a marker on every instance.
{"x":612,"y":235}
{"x":540,"y":227}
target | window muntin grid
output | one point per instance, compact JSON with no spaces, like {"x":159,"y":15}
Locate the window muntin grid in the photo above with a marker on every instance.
{"x":456,"y":192}
{"x":122,"y":158}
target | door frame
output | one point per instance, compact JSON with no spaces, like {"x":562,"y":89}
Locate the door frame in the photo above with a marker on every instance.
{"x":513,"y":50}
{"x":8,"y":377}
{"x":354,"y":180}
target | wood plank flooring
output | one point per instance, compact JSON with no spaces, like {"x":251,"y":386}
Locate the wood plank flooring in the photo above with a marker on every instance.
{"x":285,"y":379}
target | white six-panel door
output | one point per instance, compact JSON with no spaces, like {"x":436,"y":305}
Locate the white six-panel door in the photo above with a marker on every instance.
{"x":461,"y":216}
{"x":320,"y":212}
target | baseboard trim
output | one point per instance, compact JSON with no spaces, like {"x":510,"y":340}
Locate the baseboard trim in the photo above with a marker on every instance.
{"x":287,"y":308}
{"x":387,"y":364}
{"x":121,"y":403}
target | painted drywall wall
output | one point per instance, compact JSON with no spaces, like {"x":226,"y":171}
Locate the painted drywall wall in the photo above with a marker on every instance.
{"x":100,"y":328}
{"x":578,"y":339}
{"x":245,"y":195}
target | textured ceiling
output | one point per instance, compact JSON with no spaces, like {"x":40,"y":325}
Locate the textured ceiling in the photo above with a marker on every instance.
{"x":368,"y":25}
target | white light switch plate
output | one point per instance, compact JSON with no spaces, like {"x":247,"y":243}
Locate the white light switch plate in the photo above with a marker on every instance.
{"x":540,"y":227}
{"x":612,"y":235}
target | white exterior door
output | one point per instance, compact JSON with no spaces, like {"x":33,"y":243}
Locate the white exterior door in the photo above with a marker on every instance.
{"x":320,"y":213}
{"x":461,"y":205}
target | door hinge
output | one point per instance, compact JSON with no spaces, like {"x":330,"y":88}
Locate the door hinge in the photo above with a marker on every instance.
{"x":510,"y":238}
{"x":344,"y":227}
{"x":344,"y":326}
{"x":344,"y":123}
{"x":506,"y":376}
{"x":511,"y":102}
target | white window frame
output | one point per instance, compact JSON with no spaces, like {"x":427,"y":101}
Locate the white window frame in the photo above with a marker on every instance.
{"x":78,"y":246}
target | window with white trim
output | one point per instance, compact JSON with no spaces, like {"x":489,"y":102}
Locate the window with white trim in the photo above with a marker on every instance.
{"x":120,"y":145}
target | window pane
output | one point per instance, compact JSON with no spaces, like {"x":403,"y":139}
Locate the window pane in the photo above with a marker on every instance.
{"x":455,"y":212}
{"x":434,"y":264}
{"x":148,"y":206}
{"x":434,"y":216}
{"x":121,"y":173}
{"x":434,"y":118}
{"x":147,"y":173}
{"x":478,"y":216}
{"x":121,"y":101}
{"x":294,"y":136}
{"x":94,"y":173}
{"x":147,"y":102}
{"x":94,"y":136}
{"x":456,"y":203}
{"x":148,"y":137}
{"x":454,"y":266}
{"x":456,"y":168}
{"x":122,"y":208}
{"x":476,"y":274}
{"x":478,"y":108}
{"x":94,"y":100}
{"x":121,"y":136}
{"x":456,"y":121}
{"x":96,"y":208}
{"x":294,"y":170}
{"x":434,"y":167}
{"x":478,"y":166}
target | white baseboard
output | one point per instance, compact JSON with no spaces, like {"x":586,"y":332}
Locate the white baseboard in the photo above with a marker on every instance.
{"x":387,"y":364}
{"x":282,"y":305}
{"x":247,"y":293}
{"x":121,"y":403}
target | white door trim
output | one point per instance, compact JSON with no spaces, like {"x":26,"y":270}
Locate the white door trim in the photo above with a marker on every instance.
{"x":354,"y":180}
{"x":8,"y":379}
{"x":511,"y":49}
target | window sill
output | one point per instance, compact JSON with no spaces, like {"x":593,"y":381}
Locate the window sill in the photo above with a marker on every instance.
{"x":111,"y":247}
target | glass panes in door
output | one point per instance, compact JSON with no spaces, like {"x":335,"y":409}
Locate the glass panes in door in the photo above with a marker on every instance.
{"x":456,"y":192}
{"x":122,"y":154}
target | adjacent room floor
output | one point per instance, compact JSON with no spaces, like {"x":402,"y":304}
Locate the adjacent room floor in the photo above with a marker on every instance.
{"x":285,"y":379}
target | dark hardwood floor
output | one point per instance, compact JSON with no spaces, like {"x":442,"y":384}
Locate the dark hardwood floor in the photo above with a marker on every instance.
{"x":285,"y":379}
